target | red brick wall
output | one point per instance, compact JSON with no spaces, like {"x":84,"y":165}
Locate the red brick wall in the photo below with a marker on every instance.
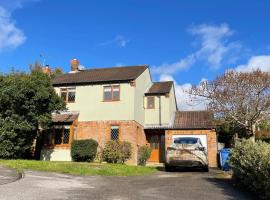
{"x":211,"y":142}
{"x":100,"y":131}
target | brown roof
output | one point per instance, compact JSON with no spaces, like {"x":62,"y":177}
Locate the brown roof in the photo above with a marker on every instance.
{"x":160,"y":88}
{"x":64,"y":117}
{"x":193,"y":120}
{"x":101,"y":75}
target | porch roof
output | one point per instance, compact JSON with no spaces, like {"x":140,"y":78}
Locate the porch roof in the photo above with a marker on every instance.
{"x":64,"y":117}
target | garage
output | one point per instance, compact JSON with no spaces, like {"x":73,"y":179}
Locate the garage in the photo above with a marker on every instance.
{"x":195,"y":124}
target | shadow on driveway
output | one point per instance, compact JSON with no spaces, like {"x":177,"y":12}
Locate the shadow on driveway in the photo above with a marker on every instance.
{"x":228,"y":187}
{"x":224,"y":184}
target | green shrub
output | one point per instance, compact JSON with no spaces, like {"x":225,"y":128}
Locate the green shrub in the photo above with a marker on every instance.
{"x":116,"y":152}
{"x":111,"y":152}
{"x":83,"y":150}
{"x":144,"y":153}
{"x":251,"y":166}
{"x":125,"y":151}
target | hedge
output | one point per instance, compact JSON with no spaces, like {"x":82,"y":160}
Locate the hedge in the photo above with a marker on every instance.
{"x":250,"y":163}
{"x":83,"y":150}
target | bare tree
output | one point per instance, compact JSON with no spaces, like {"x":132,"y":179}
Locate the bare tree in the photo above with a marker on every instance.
{"x":52,"y":73}
{"x":239,"y":97}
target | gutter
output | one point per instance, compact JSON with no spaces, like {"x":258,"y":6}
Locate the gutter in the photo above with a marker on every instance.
{"x":160,"y":110}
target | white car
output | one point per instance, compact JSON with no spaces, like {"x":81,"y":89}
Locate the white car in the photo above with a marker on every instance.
{"x":186,"y":152}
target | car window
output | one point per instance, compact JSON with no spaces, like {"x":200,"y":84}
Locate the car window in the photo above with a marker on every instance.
{"x":185,"y":140}
{"x":200,"y":142}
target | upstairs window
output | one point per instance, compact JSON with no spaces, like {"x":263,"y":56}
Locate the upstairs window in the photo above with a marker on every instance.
{"x":111,"y":93}
{"x":150,"y":102}
{"x":68,"y":94}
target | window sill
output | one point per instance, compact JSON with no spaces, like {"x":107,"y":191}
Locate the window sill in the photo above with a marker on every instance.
{"x":111,"y":100}
{"x":57,"y":146}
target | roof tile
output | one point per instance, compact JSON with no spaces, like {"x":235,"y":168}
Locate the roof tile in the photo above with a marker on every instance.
{"x":193,"y":120}
{"x":160,"y":88}
{"x":100,"y":75}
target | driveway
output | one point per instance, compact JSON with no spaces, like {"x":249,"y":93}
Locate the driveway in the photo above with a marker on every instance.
{"x":163,"y":185}
{"x":8,"y":175}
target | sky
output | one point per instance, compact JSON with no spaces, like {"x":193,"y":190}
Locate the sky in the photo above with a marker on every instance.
{"x":185,"y":41}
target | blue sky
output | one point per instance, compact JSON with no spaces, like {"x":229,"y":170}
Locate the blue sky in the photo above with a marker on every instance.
{"x":184,"y":41}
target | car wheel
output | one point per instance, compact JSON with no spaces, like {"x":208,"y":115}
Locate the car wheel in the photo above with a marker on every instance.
{"x":206,"y":169}
{"x":168,"y":168}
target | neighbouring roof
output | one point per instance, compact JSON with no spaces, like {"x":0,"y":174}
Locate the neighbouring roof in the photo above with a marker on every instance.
{"x":193,"y":120}
{"x":64,"y":117}
{"x":160,"y":88}
{"x":101,"y":75}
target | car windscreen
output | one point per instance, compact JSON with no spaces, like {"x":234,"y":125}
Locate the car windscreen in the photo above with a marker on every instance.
{"x":185,"y":140}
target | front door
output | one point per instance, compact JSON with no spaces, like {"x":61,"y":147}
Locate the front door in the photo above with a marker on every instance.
{"x":154,"y":141}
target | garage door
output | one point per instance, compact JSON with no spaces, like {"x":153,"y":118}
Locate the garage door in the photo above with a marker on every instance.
{"x":203,"y":138}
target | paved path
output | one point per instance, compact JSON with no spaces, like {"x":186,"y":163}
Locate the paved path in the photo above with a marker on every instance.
{"x":163,"y":185}
{"x":8,"y":175}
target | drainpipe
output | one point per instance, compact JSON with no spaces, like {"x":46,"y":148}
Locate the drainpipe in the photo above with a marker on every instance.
{"x":159,"y":110}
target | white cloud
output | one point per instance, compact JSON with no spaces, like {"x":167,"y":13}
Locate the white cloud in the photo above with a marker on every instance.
{"x":119,"y":65}
{"x":171,"y":68}
{"x":184,"y":100}
{"x":214,"y":45}
{"x":213,"y":48}
{"x":10,"y":36}
{"x":119,"y":41}
{"x":261,"y":62}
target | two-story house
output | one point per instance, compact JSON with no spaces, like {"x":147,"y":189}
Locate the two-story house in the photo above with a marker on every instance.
{"x":120,"y":103}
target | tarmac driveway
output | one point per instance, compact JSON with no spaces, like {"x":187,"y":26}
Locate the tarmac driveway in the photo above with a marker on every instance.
{"x":163,"y":185}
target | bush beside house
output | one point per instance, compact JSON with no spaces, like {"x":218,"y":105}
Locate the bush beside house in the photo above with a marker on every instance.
{"x":251,"y":166}
{"x":84,"y":150}
{"x":116,"y":152}
{"x":125,"y":151}
{"x":144,"y":153}
{"x":26,"y":103}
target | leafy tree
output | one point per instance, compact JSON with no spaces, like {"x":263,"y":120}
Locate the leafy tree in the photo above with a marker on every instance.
{"x":228,"y":131}
{"x":26,"y":103}
{"x":239,"y":97}
{"x":264,"y":131}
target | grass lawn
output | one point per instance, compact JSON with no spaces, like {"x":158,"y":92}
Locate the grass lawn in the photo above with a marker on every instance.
{"x":79,"y":168}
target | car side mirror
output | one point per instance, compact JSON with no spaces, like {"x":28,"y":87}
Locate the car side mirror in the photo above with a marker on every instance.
{"x":201,"y":148}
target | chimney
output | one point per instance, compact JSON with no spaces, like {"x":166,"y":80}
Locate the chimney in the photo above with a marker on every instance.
{"x":74,"y":64}
{"x":46,"y":69}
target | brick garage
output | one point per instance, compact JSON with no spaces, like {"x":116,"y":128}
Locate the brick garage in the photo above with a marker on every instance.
{"x":100,"y":131}
{"x":195,"y":123}
{"x":211,"y":141}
